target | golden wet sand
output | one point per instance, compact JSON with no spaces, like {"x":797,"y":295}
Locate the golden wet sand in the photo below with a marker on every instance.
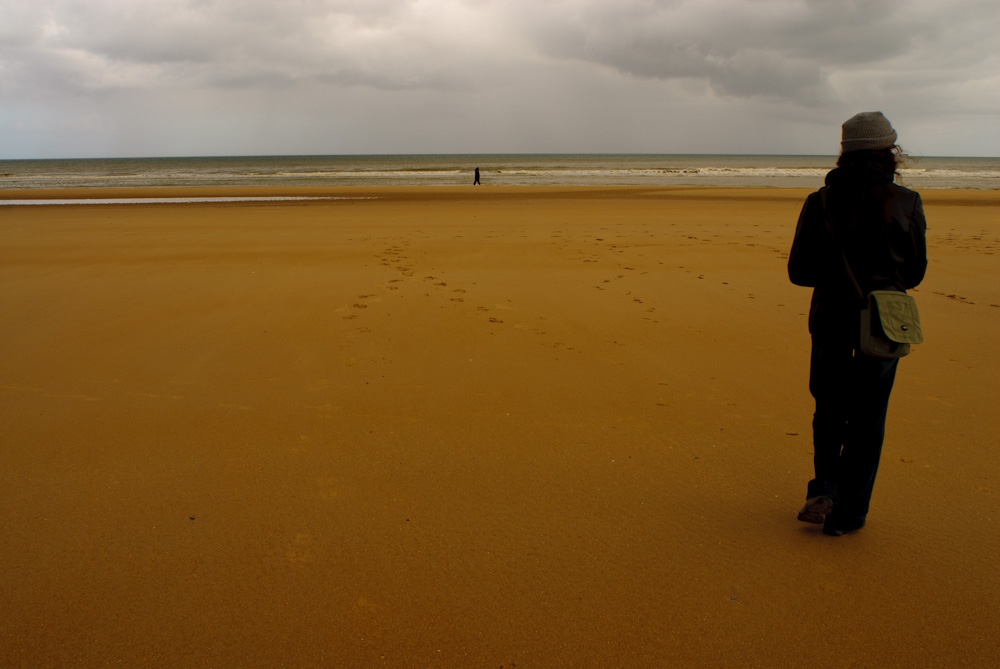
{"x":457,"y":427}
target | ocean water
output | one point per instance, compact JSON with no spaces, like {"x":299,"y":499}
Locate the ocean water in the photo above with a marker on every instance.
{"x":499,"y":169}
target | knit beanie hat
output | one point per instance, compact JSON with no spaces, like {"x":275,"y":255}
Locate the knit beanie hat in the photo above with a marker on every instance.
{"x":867,"y":130}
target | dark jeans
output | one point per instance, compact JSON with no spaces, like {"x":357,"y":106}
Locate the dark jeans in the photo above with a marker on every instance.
{"x":852,"y":398}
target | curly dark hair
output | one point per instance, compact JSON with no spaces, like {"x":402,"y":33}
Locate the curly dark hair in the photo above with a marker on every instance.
{"x":884,"y":161}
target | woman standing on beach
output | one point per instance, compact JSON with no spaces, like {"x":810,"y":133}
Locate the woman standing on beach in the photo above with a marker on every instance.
{"x":862,"y":216}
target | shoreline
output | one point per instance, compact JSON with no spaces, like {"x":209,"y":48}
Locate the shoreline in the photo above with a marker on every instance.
{"x":437,"y":191}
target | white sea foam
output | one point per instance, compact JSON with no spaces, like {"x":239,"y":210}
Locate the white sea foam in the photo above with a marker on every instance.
{"x":733,"y":171}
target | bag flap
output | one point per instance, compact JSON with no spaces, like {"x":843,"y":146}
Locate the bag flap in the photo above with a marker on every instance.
{"x":899,"y":316}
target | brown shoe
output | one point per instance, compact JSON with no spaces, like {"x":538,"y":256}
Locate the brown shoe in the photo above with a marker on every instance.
{"x":816,"y":509}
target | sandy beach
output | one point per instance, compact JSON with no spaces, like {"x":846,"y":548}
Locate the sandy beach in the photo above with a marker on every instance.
{"x":473,"y":427}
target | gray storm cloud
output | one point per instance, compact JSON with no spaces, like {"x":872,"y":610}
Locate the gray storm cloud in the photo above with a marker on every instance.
{"x":590,"y":72}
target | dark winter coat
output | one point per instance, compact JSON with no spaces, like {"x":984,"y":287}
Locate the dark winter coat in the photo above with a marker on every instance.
{"x":881,"y":228}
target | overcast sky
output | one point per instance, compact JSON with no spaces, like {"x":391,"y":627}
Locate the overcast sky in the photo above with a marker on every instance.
{"x":89,"y":78}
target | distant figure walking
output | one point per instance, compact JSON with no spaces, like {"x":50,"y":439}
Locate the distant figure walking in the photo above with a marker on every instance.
{"x":859,"y":233}
{"x":476,"y":182}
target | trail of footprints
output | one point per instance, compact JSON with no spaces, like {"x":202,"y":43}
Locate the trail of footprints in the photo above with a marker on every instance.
{"x":437,"y":287}
{"x":620,"y":247}
{"x":396,"y":257}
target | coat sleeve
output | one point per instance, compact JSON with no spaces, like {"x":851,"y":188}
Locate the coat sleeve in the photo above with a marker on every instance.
{"x":807,"y":261}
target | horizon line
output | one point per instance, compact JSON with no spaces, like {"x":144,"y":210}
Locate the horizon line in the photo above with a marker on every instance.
{"x":384,"y":155}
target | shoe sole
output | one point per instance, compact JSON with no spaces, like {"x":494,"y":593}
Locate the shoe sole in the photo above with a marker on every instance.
{"x":816,"y":510}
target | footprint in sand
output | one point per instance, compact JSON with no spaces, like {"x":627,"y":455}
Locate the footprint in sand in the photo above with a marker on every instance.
{"x":953,"y":296}
{"x":327,"y":488}
{"x":302,"y":446}
{"x":300,"y":550}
